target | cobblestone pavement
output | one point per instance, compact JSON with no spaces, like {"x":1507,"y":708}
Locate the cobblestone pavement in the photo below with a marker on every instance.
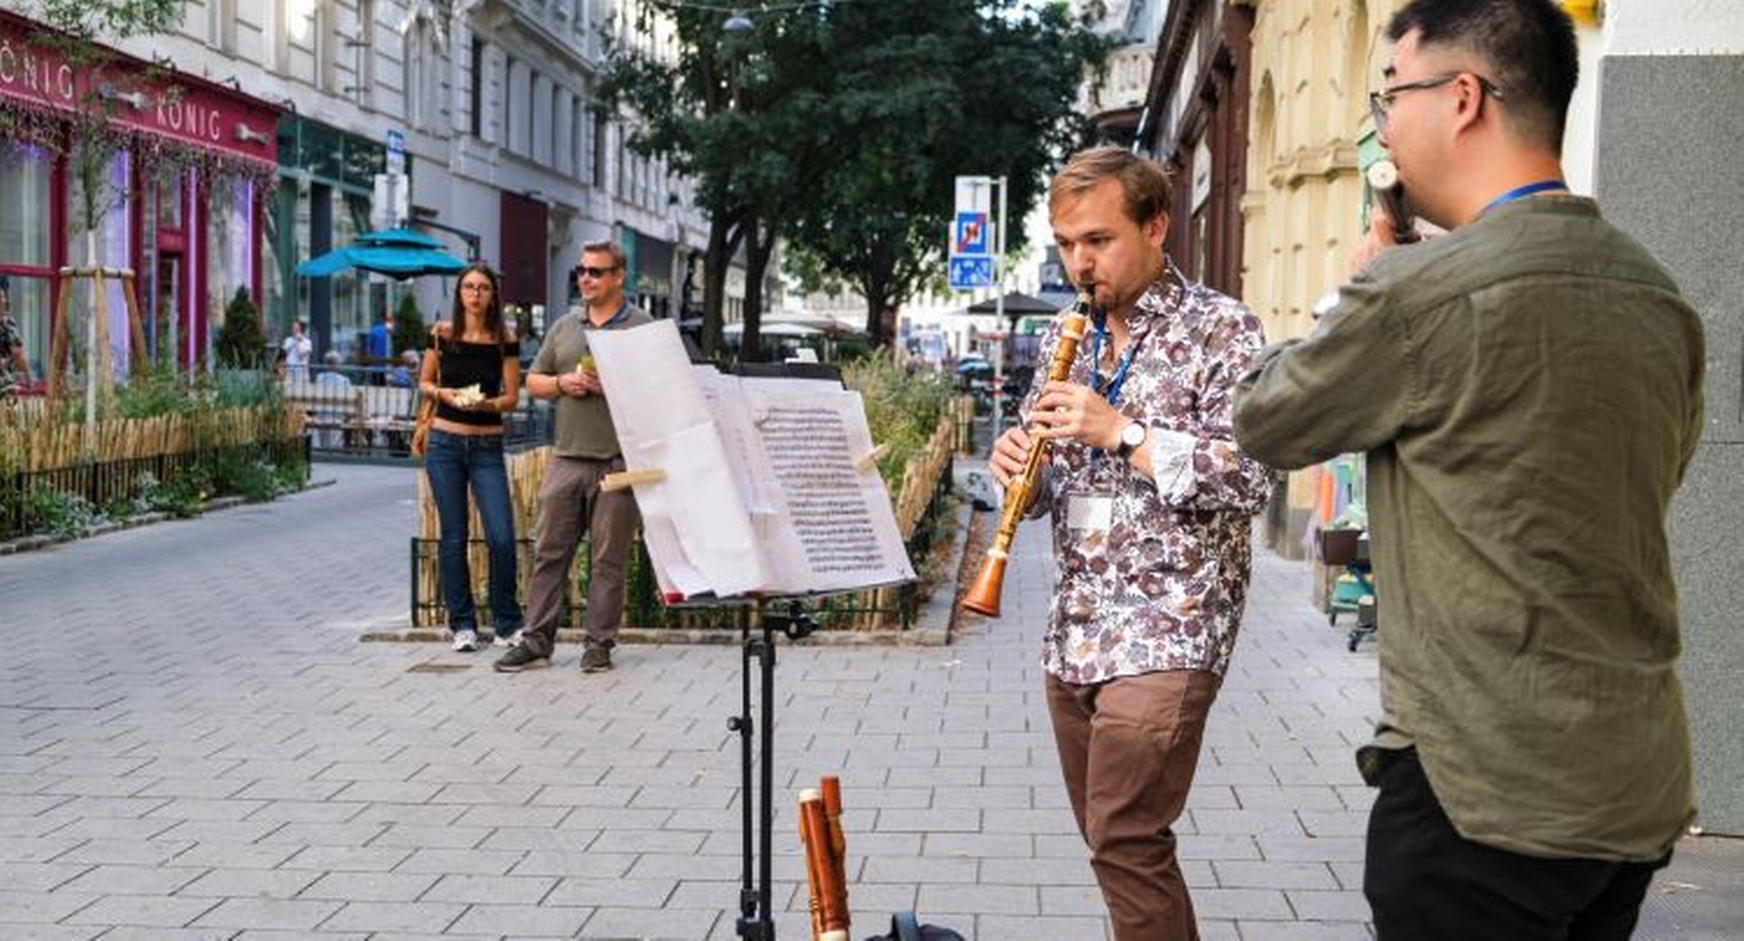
{"x":194,"y":745}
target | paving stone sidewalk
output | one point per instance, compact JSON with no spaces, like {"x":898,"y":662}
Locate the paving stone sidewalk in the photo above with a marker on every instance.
{"x":194,"y":745}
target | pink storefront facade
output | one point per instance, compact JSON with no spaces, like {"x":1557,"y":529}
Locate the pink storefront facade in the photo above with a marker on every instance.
{"x":185,"y":175}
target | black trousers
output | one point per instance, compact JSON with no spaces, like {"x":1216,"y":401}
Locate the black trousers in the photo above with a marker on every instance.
{"x":1425,"y":882}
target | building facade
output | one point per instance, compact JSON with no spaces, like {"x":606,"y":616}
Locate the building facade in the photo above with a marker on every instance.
{"x":475,"y":121}
{"x":179,"y":174}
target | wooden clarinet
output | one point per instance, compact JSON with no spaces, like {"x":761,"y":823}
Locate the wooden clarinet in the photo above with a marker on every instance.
{"x":983,"y":595}
{"x":824,"y":865}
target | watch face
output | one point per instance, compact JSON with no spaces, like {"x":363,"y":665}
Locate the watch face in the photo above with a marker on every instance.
{"x":1132,"y":435}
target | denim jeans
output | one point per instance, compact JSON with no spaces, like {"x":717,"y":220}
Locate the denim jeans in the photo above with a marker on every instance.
{"x":453,"y":462}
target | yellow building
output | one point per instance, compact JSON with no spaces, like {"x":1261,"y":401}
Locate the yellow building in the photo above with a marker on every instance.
{"x":1313,"y":64}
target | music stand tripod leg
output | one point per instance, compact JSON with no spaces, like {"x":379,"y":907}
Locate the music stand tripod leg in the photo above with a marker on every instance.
{"x":755,"y":919}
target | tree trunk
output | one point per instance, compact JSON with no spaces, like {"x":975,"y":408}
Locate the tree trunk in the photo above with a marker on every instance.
{"x":760,"y":242}
{"x":714,"y":285}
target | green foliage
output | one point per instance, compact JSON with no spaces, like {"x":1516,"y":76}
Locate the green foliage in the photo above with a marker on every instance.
{"x":161,"y":391}
{"x":89,"y":19}
{"x":185,"y":493}
{"x":243,"y":472}
{"x":57,"y":512}
{"x":947,"y":79}
{"x":241,"y":342}
{"x":409,"y":331}
{"x":902,"y":409}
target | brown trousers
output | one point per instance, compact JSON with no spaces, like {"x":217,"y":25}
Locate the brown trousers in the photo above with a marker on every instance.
{"x":1128,"y":749}
{"x":571,"y":504}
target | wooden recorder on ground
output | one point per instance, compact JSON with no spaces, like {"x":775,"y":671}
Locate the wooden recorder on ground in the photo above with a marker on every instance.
{"x":826,"y":850}
{"x":983,"y":595}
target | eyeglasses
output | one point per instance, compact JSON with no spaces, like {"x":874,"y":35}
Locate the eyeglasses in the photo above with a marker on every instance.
{"x":1381,"y":102}
{"x":476,"y":287}
{"x":589,"y":271}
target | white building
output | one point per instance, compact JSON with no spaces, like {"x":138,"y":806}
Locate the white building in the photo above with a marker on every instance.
{"x":507,"y":149}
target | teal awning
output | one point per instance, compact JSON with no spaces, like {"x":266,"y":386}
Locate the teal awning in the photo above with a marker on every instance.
{"x":397,"y":253}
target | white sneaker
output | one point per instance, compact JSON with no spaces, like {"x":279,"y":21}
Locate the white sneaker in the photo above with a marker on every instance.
{"x":465,"y":641}
{"x":513,"y":640}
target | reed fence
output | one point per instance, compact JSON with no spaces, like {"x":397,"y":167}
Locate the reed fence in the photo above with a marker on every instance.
{"x":104,"y":461}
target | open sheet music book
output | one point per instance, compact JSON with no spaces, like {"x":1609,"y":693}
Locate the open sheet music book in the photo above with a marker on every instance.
{"x":764,"y":489}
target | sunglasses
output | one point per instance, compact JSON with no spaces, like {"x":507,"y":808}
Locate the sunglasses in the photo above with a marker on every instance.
{"x":589,"y":271}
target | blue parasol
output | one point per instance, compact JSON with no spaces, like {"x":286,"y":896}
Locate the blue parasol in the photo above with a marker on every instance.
{"x":397,"y":253}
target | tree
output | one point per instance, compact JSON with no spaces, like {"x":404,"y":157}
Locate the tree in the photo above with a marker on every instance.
{"x":841,"y":127}
{"x":744,"y":115}
{"x":928,"y":90}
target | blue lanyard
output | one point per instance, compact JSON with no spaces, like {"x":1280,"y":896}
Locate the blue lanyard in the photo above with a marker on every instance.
{"x":1521,"y":192}
{"x":1119,"y":378}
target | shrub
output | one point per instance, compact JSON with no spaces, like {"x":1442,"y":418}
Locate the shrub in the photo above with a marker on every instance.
{"x":241,"y":344}
{"x":408,"y":326}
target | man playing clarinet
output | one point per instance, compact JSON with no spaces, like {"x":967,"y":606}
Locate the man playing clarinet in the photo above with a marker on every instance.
{"x":1151,"y":502}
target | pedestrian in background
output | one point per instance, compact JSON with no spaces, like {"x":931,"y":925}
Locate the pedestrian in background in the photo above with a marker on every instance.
{"x":14,"y":365}
{"x":571,"y":503}
{"x":1528,"y":389}
{"x":297,"y":350}
{"x":1152,"y":503}
{"x":473,"y":369}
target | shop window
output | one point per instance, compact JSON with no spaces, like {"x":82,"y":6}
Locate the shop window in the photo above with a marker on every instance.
{"x":229,"y":224}
{"x":24,"y":204}
{"x":114,"y":249}
{"x":26,"y":302}
{"x":170,"y":200}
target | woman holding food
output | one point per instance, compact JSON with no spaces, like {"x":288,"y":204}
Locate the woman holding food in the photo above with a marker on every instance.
{"x":473,"y":370}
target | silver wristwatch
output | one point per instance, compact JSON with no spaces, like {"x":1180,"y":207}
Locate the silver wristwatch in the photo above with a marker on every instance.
{"x":1131,"y":437}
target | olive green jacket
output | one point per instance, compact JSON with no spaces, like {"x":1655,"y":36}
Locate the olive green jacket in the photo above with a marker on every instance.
{"x":1528,"y":389}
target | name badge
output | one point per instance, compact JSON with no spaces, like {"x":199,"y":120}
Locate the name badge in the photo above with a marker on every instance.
{"x":1090,"y":511}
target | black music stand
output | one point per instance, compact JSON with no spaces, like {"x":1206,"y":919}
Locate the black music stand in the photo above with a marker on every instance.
{"x":755,"y":919}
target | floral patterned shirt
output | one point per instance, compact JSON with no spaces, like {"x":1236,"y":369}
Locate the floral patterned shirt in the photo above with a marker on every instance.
{"x":1156,"y":579}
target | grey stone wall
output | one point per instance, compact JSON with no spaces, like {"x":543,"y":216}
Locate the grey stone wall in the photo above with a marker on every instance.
{"x":1670,"y":173}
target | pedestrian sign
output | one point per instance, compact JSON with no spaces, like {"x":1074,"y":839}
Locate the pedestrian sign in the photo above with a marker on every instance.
{"x":971,"y":271}
{"x":969,"y":235}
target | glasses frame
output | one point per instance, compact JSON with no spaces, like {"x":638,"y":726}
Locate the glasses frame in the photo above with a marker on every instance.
{"x":474,"y":287}
{"x":589,"y":271}
{"x":1381,"y":101}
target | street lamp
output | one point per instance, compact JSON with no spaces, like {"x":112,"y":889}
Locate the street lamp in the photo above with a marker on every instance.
{"x":738,"y":23}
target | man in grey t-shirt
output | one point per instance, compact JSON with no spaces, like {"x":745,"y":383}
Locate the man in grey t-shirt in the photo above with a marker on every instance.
{"x":571,"y":502}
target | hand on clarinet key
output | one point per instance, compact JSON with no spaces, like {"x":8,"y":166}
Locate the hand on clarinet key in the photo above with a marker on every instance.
{"x":1075,"y":412}
{"x":1009,"y":453}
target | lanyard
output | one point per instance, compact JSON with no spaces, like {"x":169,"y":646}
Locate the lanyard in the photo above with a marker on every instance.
{"x":1119,"y":378}
{"x":1521,"y":192}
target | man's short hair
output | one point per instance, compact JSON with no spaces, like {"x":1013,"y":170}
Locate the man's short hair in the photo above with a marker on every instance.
{"x":1144,"y":185}
{"x":607,"y":246}
{"x":1528,"y":48}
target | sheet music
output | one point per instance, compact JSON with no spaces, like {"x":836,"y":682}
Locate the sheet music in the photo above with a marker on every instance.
{"x":834,"y":527}
{"x":694,"y":523}
{"x":761,"y":493}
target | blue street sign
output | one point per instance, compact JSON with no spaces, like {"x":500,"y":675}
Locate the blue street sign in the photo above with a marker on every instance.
{"x":971,"y":271}
{"x":969,"y":234}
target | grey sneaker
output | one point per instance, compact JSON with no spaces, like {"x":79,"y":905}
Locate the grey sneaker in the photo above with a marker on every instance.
{"x":465,"y":641}
{"x":519,"y":658}
{"x":596,"y":659}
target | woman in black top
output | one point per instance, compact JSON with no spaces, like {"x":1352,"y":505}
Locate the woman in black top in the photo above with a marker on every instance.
{"x":474,"y":371}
